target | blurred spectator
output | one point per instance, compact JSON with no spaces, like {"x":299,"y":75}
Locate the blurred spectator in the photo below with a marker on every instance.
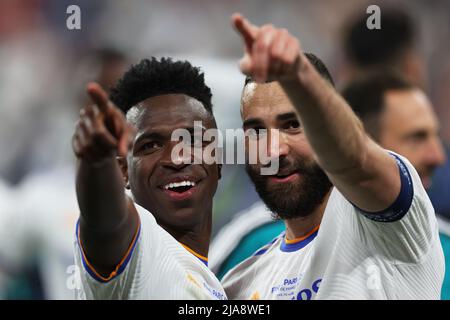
{"x":36,"y":235}
{"x":37,"y":231}
{"x":393,"y":47}
{"x":6,"y":202}
{"x":31,"y":83}
{"x":399,"y":116}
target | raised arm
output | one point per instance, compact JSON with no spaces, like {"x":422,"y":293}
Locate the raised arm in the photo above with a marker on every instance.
{"x":108,"y":218}
{"x":364,"y":172}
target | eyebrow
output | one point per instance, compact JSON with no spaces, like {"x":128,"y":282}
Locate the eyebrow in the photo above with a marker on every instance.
{"x":148,"y":135}
{"x":252,"y":122}
{"x":286,"y":116}
{"x":281,"y":117}
{"x":419,"y":133}
{"x":154,"y":134}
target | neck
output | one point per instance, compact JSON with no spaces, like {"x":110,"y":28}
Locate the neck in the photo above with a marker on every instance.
{"x":197,"y":237}
{"x":196,"y":241}
{"x":301,"y":226}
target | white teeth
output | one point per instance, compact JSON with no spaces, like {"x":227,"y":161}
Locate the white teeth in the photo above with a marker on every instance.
{"x":179,"y":184}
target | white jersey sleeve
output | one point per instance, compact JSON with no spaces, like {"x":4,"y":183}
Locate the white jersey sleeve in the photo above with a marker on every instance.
{"x":407,"y":229}
{"x":156,"y":266}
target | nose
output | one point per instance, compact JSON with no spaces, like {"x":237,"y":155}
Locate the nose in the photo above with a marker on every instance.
{"x":278,"y":146}
{"x":174,"y":156}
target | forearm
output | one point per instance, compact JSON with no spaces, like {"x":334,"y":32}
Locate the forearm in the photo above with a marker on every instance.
{"x":356,"y":165}
{"x":360,"y":169}
{"x":101,"y":196}
{"x":335,"y":133}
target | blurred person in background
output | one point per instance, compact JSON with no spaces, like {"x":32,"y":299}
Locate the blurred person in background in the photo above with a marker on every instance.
{"x":394,"y":49}
{"x":7,"y":200}
{"x":399,"y":116}
{"x":36,"y":247}
{"x":32,"y":62}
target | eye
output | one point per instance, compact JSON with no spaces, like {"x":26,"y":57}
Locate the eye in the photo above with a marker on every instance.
{"x":418,"y":136}
{"x":291,"y":125}
{"x":150,"y":146}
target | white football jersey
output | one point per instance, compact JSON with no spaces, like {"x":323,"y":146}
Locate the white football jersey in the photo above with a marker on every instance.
{"x":396,"y":254}
{"x":38,"y":228}
{"x":155,"y":267}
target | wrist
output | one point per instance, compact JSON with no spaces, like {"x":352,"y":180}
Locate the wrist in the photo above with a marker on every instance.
{"x":100,"y":161}
{"x":300,"y":72}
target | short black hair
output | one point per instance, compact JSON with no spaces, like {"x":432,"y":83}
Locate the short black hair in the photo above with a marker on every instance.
{"x":372,"y":47}
{"x":366,"y":95}
{"x":153,"y":77}
{"x":318,"y":65}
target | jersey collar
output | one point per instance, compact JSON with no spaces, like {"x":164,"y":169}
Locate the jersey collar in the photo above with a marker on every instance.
{"x":298,"y":243}
{"x":199,"y":256}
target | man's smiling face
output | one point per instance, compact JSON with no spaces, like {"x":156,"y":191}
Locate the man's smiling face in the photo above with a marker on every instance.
{"x":178,"y":195}
{"x":300,"y":184}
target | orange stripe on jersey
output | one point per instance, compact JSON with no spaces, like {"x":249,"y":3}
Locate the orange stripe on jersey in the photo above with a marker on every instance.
{"x":195,"y":253}
{"x":301,"y":238}
{"x":113,"y":273}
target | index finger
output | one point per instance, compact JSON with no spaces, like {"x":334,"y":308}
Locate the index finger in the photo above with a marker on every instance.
{"x":98,"y":96}
{"x":247,"y":30}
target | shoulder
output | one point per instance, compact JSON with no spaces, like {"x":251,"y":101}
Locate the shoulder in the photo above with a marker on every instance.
{"x":147,"y":220}
{"x":255,"y":261}
{"x":405,"y":232}
{"x":412,"y":196}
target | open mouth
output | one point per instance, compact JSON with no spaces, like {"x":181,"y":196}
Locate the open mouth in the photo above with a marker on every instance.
{"x":179,"y":187}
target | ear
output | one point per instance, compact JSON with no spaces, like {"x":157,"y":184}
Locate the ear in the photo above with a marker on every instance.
{"x":219,"y":170}
{"x":123,"y":164}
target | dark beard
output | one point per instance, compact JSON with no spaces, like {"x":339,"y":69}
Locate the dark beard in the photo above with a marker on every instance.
{"x":292,"y":200}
